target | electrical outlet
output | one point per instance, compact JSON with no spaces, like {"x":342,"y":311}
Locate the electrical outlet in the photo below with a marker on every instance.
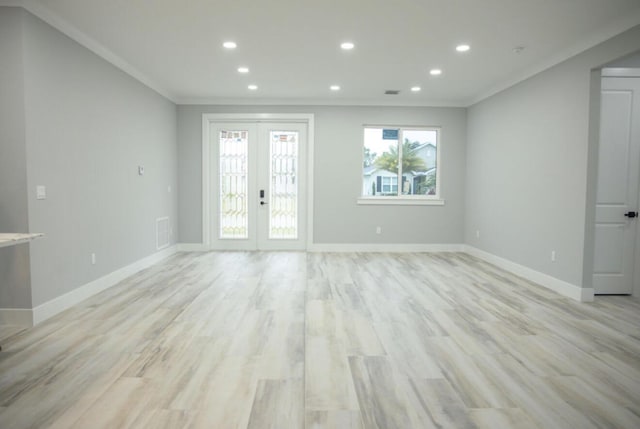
{"x":93,"y":259}
{"x":477,"y":233}
{"x":378,"y":230}
{"x":553,"y":256}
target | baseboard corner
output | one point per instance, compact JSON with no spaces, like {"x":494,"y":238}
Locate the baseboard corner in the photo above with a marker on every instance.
{"x":561,"y":287}
{"x":588,"y":294}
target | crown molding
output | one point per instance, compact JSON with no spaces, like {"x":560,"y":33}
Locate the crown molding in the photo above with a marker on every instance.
{"x":47,"y":15}
{"x":230,"y":101}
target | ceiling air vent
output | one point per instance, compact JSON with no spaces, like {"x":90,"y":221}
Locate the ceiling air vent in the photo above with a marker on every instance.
{"x":392,"y":92}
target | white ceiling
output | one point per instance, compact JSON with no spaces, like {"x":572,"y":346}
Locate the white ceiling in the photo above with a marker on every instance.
{"x":292,"y":46}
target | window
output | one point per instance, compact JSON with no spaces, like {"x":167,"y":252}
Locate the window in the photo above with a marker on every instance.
{"x":400,"y":155}
{"x":389,"y":185}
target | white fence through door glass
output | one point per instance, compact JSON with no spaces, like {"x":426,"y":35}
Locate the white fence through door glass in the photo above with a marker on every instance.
{"x":234,"y":221}
{"x":283,"y":216}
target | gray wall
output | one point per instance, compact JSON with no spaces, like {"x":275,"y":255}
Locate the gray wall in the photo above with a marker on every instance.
{"x":528,"y":166}
{"x":15,"y":290}
{"x":631,"y":61}
{"x":337,"y":174}
{"x":88,"y":126}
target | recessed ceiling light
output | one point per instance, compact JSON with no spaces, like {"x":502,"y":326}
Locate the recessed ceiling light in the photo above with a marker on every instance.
{"x":416,"y":89}
{"x":243,"y":69}
{"x":334,"y":87}
{"x":347,"y":46}
{"x":435,"y":72}
{"x":230,"y":45}
{"x":463,"y":48}
{"x":253,"y":87}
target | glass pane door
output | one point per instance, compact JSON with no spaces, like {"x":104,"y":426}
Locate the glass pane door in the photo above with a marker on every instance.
{"x":281,"y":175}
{"x":283,"y":205}
{"x":258,"y":180}
{"x":234,"y":184}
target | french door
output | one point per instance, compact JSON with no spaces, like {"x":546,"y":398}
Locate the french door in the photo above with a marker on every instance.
{"x":258,"y":182}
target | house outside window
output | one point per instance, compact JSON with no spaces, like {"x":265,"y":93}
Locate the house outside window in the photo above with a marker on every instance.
{"x":388,"y":185}
{"x":405,"y":155}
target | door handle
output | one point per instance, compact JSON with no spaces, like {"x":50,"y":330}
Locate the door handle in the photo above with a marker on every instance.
{"x":262,"y":203}
{"x":631,"y":214}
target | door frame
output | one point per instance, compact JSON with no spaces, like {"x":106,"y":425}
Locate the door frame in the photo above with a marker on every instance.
{"x":211,"y":118}
{"x":609,"y":219}
{"x":592,"y":171}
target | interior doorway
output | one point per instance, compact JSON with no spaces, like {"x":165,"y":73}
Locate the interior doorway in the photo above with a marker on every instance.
{"x":616,"y":216}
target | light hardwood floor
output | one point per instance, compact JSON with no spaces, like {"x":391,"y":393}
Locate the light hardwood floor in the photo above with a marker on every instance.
{"x":355,"y":340}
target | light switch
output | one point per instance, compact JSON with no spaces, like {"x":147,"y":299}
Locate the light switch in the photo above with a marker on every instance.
{"x":41,"y":192}
{"x":141,"y":170}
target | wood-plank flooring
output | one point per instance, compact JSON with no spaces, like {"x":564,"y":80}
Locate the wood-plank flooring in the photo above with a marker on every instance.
{"x":326,"y":340}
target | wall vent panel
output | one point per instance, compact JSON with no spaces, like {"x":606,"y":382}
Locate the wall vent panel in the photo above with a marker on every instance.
{"x":162,"y":232}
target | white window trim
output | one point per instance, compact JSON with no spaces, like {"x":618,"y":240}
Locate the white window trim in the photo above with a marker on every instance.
{"x":407,"y":200}
{"x":400,"y":201}
{"x":390,"y":179}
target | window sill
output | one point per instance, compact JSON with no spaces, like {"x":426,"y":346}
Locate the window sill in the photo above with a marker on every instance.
{"x":399,"y":201}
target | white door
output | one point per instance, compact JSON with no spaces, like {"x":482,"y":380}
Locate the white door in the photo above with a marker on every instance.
{"x":617,"y":188}
{"x":257,"y":182}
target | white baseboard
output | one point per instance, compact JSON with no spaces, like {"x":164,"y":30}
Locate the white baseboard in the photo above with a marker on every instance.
{"x":390,"y":248}
{"x":63,"y":302}
{"x":31,"y":317}
{"x":559,"y":286}
{"x":352,"y":247}
{"x":16,"y":316}
{"x":192,"y":247}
